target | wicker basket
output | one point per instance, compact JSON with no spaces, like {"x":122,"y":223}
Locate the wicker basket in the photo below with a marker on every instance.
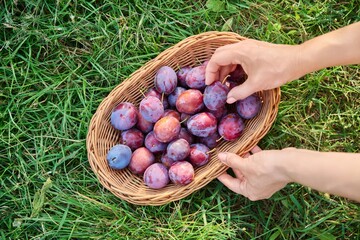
{"x":102,"y":136}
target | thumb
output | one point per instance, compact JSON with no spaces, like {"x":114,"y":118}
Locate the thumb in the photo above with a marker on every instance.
{"x":240,"y":92}
{"x":232,"y":160}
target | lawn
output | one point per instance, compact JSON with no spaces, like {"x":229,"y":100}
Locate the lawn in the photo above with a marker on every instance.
{"x":59,"y":59}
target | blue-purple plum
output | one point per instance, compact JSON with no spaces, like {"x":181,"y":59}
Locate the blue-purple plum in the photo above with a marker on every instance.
{"x":153,"y":144}
{"x":165,"y":80}
{"x":190,"y":101}
{"x":181,"y":75}
{"x":178,"y":150}
{"x":167,"y":129}
{"x":174,"y":95}
{"x":165,"y":103}
{"x":210,"y":141}
{"x":199,"y":154}
{"x":166,"y":160}
{"x":133,"y":138}
{"x":184,"y":134}
{"x":231,"y":127}
{"x":249,"y":107}
{"x":181,"y":173}
{"x":196,"y":78}
{"x":141,"y":159}
{"x":151,"y":109}
{"x":219,"y":113}
{"x":215,"y":95}
{"x":124,"y":116}
{"x":202,"y":124}
{"x":156,"y":176}
{"x":119,"y":156}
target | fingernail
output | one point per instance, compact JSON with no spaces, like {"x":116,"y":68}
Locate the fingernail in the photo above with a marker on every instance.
{"x":222,"y":156}
{"x":231,"y":100}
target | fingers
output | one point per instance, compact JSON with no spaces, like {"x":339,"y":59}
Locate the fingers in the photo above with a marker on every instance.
{"x":242,"y":91}
{"x":232,"y":183}
{"x":238,"y":174}
{"x":212,"y":72}
{"x":220,"y":64}
{"x":232,"y":160}
{"x":256,"y":149}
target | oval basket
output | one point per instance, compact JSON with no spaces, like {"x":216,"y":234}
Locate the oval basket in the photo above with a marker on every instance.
{"x":102,"y":136}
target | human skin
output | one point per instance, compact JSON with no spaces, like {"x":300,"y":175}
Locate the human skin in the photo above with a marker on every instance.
{"x":271,"y":65}
{"x":260,"y":175}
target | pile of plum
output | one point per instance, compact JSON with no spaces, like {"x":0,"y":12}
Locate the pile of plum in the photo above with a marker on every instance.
{"x":177,"y":124}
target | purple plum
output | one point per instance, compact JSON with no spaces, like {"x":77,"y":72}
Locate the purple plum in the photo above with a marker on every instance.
{"x":202,"y":124}
{"x":231,"y":127}
{"x":156,"y":176}
{"x":153,"y":144}
{"x":184,"y":134}
{"x":143,"y":125}
{"x":172,"y":113}
{"x":190,"y":101}
{"x":238,"y":75}
{"x":178,"y":150}
{"x":249,"y":107}
{"x":196,"y":78}
{"x":133,"y":138}
{"x":166,"y":160}
{"x":199,"y":154}
{"x":154,"y":93}
{"x":165,"y":80}
{"x":215,"y":96}
{"x":210,"y":141}
{"x":181,"y":74}
{"x":181,"y":173}
{"x":167,"y":129}
{"x":141,"y":159}
{"x":174,"y":96}
{"x":124,"y":116}
{"x":151,"y":109}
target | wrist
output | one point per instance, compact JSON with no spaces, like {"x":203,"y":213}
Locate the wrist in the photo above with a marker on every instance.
{"x":294,"y":163}
{"x":288,"y":161}
{"x":282,"y":166}
{"x":296,"y":64}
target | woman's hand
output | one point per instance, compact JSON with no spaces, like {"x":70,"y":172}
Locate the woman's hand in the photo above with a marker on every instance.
{"x":257,"y":176}
{"x":260,"y":175}
{"x":271,"y":65}
{"x":267,"y":65}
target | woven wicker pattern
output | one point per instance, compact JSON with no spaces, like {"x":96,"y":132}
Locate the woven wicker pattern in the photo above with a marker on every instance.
{"x":102,"y":136}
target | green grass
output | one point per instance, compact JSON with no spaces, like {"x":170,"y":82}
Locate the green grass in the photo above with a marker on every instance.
{"x":59,"y":59}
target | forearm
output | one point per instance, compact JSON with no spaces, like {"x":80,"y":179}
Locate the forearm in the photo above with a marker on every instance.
{"x":335,"y":173}
{"x":339,"y":47}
